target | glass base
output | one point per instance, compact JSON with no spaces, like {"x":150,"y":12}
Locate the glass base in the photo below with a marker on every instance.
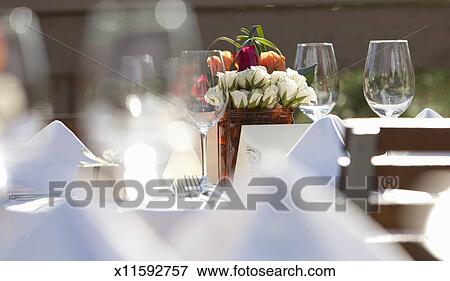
{"x":389,"y":110}
{"x":315,"y":112}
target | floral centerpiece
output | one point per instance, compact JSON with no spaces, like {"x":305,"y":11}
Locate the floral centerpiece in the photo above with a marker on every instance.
{"x":257,"y":76}
{"x":262,"y":90}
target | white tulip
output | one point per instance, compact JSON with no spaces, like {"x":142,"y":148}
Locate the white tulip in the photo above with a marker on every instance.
{"x":305,"y":91}
{"x":294,"y":75}
{"x":221,"y":82}
{"x":255,"y":98}
{"x":270,"y":96}
{"x":305,"y":95}
{"x":231,"y":79}
{"x":287,"y":89}
{"x":277,"y":76}
{"x":259,"y":67}
{"x":260,"y":77}
{"x":312,"y":97}
{"x":214,"y":96}
{"x":239,"y":98}
{"x":244,"y":78}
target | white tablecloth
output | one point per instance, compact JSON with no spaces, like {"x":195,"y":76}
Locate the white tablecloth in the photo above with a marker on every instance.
{"x":34,"y":231}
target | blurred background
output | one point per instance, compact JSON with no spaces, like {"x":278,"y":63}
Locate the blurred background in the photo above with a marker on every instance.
{"x":348,"y":24}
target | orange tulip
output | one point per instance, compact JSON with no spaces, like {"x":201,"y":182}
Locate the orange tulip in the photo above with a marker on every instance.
{"x":227,"y":59}
{"x":215,"y":64}
{"x":273,"y":61}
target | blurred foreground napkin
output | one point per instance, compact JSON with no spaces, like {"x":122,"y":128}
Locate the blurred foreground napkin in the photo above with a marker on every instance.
{"x":53,"y":154}
{"x":266,"y":234}
{"x":67,"y":233}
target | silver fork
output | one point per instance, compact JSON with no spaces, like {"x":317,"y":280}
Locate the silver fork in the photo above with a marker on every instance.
{"x":189,"y":186}
{"x":29,"y":196}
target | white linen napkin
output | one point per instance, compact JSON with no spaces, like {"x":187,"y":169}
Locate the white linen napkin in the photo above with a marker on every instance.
{"x":428,"y":113}
{"x":316,"y":153}
{"x":53,"y":154}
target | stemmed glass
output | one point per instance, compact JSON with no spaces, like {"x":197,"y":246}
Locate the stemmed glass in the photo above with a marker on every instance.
{"x":326,"y":79}
{"x":198,"y":97}
{"x":389,"y":77}
{"x":139,"y":77}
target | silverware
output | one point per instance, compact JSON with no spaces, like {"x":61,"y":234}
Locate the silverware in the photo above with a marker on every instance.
{"x":28,"y":196}
{"x":194,"y":187}
{"x":189,"y":186}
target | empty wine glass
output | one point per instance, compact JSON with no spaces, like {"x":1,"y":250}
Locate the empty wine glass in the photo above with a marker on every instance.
{"x":198,"y":97}
{"x":139,"y":81}
{"x":389,"y":77}
{"x":325,"y":79}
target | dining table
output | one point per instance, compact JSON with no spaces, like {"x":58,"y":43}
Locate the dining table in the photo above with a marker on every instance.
{"x":43,"y":228}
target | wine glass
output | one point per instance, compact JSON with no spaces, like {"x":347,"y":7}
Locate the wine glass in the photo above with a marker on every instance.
{"x":198,"y":97}
{"x":139,"y":77}
{"x":325,"y":79}
{"x":389,"y":77}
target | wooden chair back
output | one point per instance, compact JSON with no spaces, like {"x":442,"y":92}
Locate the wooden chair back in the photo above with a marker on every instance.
{"x":369,"y":174}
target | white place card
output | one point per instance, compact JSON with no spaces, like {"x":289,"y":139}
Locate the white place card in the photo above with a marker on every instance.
{"x":263,"y":147}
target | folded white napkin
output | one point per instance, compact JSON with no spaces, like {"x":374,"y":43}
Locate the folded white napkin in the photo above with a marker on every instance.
{"x":316,"y":153}
{"x":428,"y":113}
{"x":53,"y":154}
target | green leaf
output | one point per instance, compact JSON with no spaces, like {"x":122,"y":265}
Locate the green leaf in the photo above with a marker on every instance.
{"x":245,"y":31}
{"x":257,"y":46}
{"x":252,"y":31}
{"x":297,"y":102}
{"x":285,"y":103}
{"x":268,"y":43}
{"x":245,"y":43}
{"x":242,"y":37}
{"x":259,"y":31}
{"x":308,"y":72}
{"x":226,"y":39}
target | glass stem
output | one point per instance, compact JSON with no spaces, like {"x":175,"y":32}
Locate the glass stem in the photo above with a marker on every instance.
{"x":203,"y":141}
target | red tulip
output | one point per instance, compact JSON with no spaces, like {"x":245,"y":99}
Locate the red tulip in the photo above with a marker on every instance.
{"x":247,"y":57}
